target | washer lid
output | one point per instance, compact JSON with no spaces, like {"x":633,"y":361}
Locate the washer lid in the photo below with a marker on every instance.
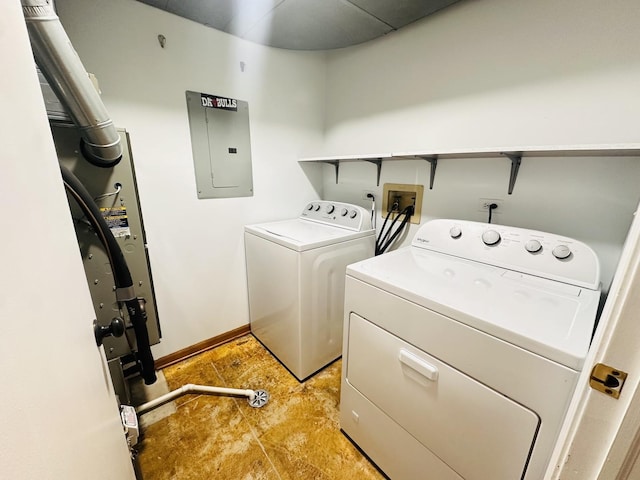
{"x":300,"y":235}
{"x":546,"y":317}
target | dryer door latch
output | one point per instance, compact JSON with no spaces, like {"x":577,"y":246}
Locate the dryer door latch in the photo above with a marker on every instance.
{"x":607,"y":380}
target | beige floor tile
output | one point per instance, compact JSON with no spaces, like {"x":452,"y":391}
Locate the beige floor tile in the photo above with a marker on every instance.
{"x":296,"y":435}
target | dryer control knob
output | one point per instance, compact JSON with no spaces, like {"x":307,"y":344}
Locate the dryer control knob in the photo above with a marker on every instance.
{"x":344,"y":212}
{"x":455,"y":231}
{"x":533,"y":246}
{"x":561,"y":252}
{"x":330,"y":208}
{"x":353,"y":214}
{"x":317,"y":207}
{"x":310,"y":206}
{"x":490,"y":237}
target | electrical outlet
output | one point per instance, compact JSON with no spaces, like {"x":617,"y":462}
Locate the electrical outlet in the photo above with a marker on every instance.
{"x":367,"y":192}
{"x":483,"y":204}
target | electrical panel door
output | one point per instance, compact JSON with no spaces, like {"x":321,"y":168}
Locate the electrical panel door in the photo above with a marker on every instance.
{"x":221,"y":145}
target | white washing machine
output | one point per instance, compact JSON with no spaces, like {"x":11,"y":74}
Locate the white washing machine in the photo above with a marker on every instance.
{"x":462,"y":351}
{"x":295,"y":273}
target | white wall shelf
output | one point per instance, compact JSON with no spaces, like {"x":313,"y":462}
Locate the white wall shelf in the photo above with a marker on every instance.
{"x":335,"y":161}
{"x":514,"y":154}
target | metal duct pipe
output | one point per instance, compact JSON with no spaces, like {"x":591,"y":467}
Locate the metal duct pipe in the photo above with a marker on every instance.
{"x":69,"y":80}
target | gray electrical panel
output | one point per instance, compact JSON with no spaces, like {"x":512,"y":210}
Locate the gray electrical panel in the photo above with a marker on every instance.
{"x":221,"y":145}
{"x":115,"y":192}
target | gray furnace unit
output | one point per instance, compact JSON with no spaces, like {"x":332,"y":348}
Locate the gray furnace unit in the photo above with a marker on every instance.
{"x":115,"y":193}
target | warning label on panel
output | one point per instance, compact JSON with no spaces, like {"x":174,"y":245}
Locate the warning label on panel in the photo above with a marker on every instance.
{"x":116,"y":218}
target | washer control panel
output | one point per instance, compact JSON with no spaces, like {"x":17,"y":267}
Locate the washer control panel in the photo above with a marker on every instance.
{"x":527,"y":251}
{"x":338,"y":214}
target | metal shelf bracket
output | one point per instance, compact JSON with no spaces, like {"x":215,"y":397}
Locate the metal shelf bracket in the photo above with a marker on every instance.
{"x":433,"y":160}
{"x":378,"y":163}
{"x":516,"y":159}
{"x":336,"y":164}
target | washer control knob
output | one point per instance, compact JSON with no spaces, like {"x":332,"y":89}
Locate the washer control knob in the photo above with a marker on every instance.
{"x":533,"y":246}
{"x":455,"y":231}
{"x":490,"y":237}
{"x":310,"y":207}
{"x":330,"y":208}
{"x":344,"y":212}
{"x":317,"y":207}
{"x":353,"y":214}
{"x":561,"y":252}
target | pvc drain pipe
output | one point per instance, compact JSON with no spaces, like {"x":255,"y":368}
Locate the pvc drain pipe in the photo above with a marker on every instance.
{"x":256,"y":398}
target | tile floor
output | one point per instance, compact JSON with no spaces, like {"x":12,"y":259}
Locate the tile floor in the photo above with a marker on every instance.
{"x":296,"y":435}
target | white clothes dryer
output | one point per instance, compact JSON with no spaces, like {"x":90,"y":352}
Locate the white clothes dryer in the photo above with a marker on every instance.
{"x":462,"y":351}
{"x":295,"y":274}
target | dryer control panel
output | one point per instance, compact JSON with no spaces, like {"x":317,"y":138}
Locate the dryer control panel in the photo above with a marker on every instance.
{"x":527,"y":251}
{"x":338,"y":214}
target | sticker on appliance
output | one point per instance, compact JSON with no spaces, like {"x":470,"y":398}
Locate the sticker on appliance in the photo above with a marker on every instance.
{"x":116,"y":218}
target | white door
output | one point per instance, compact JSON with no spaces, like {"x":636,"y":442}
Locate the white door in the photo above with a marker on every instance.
{"x":58,"y":412}
{"x":601,"y":437}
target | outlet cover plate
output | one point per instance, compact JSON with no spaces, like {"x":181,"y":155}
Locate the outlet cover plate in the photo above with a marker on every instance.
{"x":483,"y":205}
{"x":367,"y":192}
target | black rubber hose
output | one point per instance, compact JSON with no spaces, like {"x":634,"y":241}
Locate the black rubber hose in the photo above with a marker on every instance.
{"x":383,"y":243}
{"x":138,"y":316}
{"x":407,"y":212}
{"x":121,"y":273}
{"x":83,"y":198}
{"x":380,"y":240}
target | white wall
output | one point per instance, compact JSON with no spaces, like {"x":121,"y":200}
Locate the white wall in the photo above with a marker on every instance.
{"x":491,"y":74}
{"x":58,"y":412}
{"x":196,"y":246}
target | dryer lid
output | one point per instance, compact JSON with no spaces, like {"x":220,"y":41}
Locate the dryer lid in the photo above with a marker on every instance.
{"x":549,"y":318}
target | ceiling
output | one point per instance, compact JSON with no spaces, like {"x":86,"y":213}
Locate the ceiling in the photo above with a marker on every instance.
{"x":303,"y":24}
